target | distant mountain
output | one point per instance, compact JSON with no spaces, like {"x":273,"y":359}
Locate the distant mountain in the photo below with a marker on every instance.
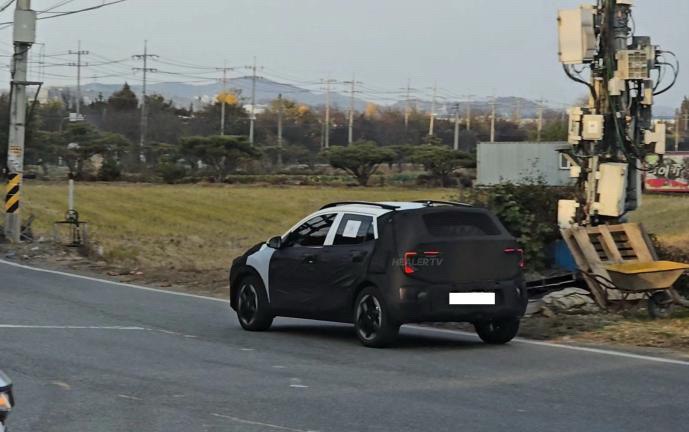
{"x":183,"y":94}
{"x":267,"y":90}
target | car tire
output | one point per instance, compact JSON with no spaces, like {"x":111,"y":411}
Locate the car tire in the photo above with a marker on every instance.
{"x":497,"y":332}
{"x":253,"y":309}
{"x":372,"y":321}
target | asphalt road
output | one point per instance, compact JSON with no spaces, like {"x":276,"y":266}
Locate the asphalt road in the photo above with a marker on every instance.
{"x":94,"y":356}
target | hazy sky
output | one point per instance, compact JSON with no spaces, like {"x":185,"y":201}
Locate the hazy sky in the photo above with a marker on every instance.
{"x":468,"y":46}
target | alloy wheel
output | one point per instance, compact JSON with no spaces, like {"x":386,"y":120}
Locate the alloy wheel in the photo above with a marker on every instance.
{"x":248,"y":303}
{"x":369,"y":317}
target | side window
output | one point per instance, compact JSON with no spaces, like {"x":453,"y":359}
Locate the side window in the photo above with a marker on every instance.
{"x":312,"y":232}
{"x":354,"y":229}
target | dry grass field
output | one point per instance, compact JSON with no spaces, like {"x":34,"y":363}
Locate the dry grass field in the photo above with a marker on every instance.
{"x":190,"y":227}
{"x":667,"y":216}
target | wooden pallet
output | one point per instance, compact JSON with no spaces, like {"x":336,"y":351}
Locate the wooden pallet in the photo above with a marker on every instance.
{"x":593,"y":248}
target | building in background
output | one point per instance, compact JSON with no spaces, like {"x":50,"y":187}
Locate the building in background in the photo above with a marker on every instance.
{"x":522,"y":162}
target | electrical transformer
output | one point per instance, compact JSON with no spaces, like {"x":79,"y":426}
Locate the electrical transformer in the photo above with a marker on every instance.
{"x":614,"y":137}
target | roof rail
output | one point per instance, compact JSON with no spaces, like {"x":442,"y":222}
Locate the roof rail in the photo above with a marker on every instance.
{"x":429,"y":203}
{"x":341,"y":203}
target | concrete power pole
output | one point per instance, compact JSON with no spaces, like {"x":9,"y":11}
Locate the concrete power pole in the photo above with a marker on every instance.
{"x":407,"y":105}
{"x":468,"y":112}
{"x":492,"y":120}
{"x":79,"y":52}
{"x":24,"y":36}
{"x":539,"y":126}
{"x":326,"y":122}
{"x":677,"y":133}
{"x":223,"y":103}
{"x":456,"y":142}
{"x":540,"y":121}
{"x":280,"y":113}
{"x":144,"y":117}
{"x":352,"y":92}
{"x":432,"y":120}
{"x":252,"y":113}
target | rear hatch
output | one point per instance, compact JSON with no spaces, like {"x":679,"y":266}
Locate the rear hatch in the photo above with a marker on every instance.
{"x":455,"y":245}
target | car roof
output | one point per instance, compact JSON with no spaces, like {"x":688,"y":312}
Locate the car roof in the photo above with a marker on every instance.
{"x":373,"y":208}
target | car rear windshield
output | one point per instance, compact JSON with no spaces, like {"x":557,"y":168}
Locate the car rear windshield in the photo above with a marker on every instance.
{"x":460,"y":224}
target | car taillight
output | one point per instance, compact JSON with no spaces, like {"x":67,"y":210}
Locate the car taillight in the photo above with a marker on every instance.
{"x":522,"y":263}
{"x":408,"y":269}
{"x":409,"y":256}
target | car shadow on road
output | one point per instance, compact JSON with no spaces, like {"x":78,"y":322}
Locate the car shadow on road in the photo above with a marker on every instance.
{"x":409,"y":339}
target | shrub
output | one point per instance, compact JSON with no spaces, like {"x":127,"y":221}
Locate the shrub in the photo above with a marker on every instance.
{"x":528,"y":211}
{"x":110,"y":170}
{"x":171,"y":172}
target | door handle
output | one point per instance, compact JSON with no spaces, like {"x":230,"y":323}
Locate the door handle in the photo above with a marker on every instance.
{"x":358,"y":256}
{"x":309,"y":258}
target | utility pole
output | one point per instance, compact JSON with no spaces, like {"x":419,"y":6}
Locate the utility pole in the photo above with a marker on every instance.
{"x":79,"y":52}
{"x":352,"y":91}
{"x":144,"y":119}
{"x":492,"y":120}
{"x":468,"y":112}
{"x":326,"y":123}
{"x":517,"y":114}
{"x":252,"y":112}
{"x":24,"y":36}
{"x":280,"y":113}
{"x":223,"y":102}
{"x":677,"y":133}
{"x":407,"y":105}
{"x":540,"y":121}
{"x":456,"y":142}
{"x":431,"y":123}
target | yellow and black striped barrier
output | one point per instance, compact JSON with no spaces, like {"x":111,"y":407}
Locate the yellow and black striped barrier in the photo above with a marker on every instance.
{"x":12,"y":197}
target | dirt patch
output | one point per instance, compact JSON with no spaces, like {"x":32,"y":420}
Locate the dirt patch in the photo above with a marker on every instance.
{"x":631,"y":328}
{"x":45,"y":254}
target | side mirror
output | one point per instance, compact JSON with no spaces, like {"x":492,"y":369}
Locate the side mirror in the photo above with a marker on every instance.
{"x":275,"y":242}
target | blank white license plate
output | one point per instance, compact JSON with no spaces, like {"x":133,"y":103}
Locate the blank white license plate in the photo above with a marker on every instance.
{"x":472,"y":298}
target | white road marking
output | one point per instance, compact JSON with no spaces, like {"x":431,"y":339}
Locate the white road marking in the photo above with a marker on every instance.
{"x":256,"y":423}
{"x":62,"y":385}
{"x":296,"y":383}
{"x":71,"y":327}
{"x":428,"y":329}
{"x":128,"y":397}
{"x":247,"y":349}
{"x":563,"y":346}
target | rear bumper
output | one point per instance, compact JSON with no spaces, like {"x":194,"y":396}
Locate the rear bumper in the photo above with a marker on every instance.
{"x":431,"y":303}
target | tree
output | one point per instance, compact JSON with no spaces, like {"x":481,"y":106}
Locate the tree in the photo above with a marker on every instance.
{"x":222,"y":153}
{"x":440,"y":161}
{"x":81,"y":141}
{"x":360,"y":160}
{"x":123,"y":99}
